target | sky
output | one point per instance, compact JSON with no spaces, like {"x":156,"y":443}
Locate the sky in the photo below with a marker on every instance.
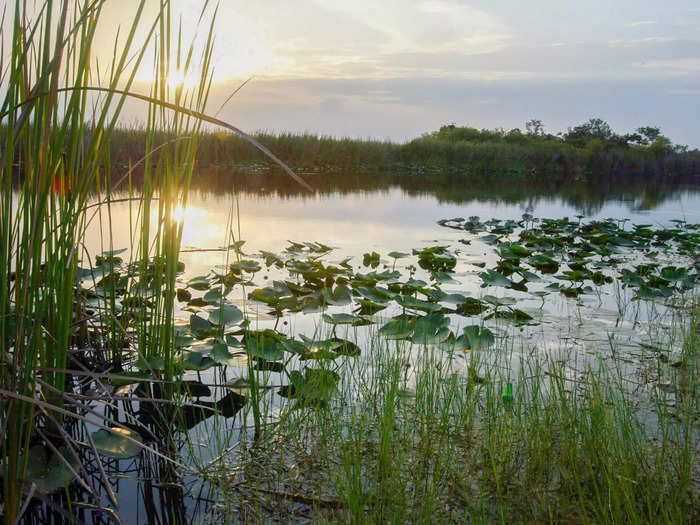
{"x":396,"y":69}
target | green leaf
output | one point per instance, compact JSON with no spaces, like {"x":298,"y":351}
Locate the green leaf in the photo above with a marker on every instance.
{"x":197,"y":361}
{"x":478,"y":337}
{"x":500,"y":301}
{"x":345,"y":347}
{"x":47,"y":470}
{"x":315,"y":387}
{"x":471,"y":306}
{"x":226,"y":314}
{"x":200,"y":326}
{"x":199,"y":283}
{"x":452,"y":298}
{"x":493,"y":278}
{"x":264,"y":345}
{"x":220,"y":354}
{"x":397,"y":329}
{"x":444,"y":278}
{"x":417,"y":304}
{"x":369,"y":307}
{"x":431,"y":329}
{"x":213,"y":296}
{"x":375,"y":294}
{"x":342,"y":318}
{"x":117,"y":443}
{"x":340,"y":296}
{"x":397,"y":255}
{"x":245,"y":265}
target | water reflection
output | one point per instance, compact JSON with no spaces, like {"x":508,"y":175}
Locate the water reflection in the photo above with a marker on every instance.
{"x":376,"y":215}
{"x":360,"y":214}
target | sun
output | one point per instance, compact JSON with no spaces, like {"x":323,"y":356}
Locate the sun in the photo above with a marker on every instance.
{"x":180,"y":213}
{"x":180,"y":79}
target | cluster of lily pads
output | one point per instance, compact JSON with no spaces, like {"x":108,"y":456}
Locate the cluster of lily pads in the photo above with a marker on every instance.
{"x":565,"y":256}
{"x":414,"y":302}
{"x":592,"y":252}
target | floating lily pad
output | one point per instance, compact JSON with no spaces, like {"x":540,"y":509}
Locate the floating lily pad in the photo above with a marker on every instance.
{"x":412,"y":303}
{"x":375,"y":294}
{"x":500,"y":301}
{"x":118,"y":443}
{"x":471,"y":306}
{"x":478,"y":337}
{"x":264,"y":344}
{"x":226,"y":314}
{"x":494,"y":278}
{"x":200,"y":326}
{"x":343,"y":319}
{"x":314,"y":387}
{"x":397,"y":329}
{"x":199,"y":283}
{"x":430,"y":329}
{"x":221,"y":355}
{"x":197,"y":361}
{"x":246,"y":265}
{"x":48,"y":471}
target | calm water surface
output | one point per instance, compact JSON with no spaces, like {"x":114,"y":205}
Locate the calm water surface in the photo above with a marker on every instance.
{"x":355,"y":223}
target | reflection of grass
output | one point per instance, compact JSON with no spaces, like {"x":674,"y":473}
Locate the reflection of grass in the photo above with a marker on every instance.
{"x":439,"y":444}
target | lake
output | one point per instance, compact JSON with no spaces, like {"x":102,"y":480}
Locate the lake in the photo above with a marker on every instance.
{"x":398,"y":219}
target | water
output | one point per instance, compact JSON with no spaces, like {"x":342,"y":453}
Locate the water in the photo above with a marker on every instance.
{"x":357,"y":222}
{"x":354,"y":223}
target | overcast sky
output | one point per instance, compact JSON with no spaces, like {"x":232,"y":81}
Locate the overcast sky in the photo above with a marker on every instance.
{"x":396,"y":69}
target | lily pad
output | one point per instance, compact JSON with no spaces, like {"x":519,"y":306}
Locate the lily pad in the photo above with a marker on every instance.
{"x":199,"y":283}
{"x":48,"y":471}
{"x":478,"y":337}
{"x":264,"y":345}
{"x":226,"y":314}
{"x":493,"y":278}
{"x":342,"y":318}
{"x":118,"y":443}
{"x":397,"y":329}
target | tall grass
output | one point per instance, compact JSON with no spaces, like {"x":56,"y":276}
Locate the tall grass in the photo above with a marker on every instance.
{"x":45,"y":110}
{"x":430,"y":156}
{"x":59,"y":115}
{"x":416,"y":436}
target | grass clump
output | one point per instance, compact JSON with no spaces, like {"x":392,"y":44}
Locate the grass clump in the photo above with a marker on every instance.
{"x":417,"y":436}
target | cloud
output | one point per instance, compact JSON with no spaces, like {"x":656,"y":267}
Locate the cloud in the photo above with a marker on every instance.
{"x":679,"y":65}
{"x":640,"y":23}
{"x":629,"y":42}
{"x":402,"y":109}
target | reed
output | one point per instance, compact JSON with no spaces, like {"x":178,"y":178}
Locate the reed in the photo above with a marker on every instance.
{"x":46,"y":111}
{"x":58,"y":115}
{"x":413,"y":438}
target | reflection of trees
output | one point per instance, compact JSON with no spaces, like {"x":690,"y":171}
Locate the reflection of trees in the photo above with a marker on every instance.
{"x":585,"y":195}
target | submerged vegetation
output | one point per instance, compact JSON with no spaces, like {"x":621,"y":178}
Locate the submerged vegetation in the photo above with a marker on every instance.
{"x":440,"y":383}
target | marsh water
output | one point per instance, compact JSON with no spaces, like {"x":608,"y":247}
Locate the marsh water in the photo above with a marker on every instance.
{"x":387,"y":218}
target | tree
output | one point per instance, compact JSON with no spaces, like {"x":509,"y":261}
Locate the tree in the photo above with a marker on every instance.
{"x":648,"y":134}
{"x":594,"y":128}
{"x":661,"y":147}
{"x":534,"y":128}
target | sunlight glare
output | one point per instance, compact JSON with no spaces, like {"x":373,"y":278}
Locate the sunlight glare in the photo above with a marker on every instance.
{"x":179,"y":79}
